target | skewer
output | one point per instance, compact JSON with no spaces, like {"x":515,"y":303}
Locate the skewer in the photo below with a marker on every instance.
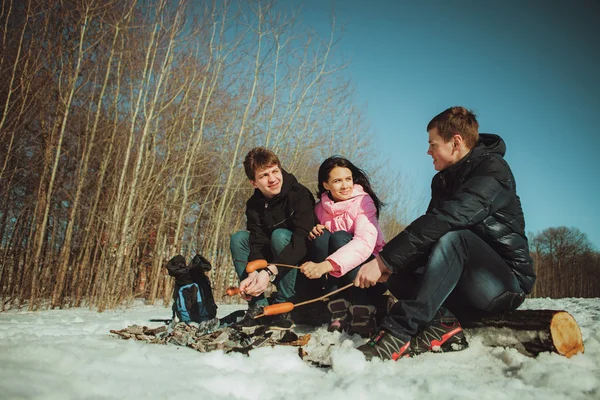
{"x":260,"y":264}
{"x":281,"y":308}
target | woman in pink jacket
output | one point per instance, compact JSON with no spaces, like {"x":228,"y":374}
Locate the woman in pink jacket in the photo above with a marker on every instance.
{"x":346,"y":236}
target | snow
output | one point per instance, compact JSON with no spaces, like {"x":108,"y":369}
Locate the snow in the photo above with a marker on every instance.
{"x":70,"y":354}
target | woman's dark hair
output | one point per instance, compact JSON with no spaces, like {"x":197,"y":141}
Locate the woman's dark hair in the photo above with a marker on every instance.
{"x":358,"y":176}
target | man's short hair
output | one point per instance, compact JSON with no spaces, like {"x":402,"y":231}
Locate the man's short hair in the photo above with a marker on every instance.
{"x":259,"y":158}
{"x":456,"y":120}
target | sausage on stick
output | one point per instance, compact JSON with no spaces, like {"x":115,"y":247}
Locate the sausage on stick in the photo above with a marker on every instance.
{"x":280,"y":308}
{"x":261,"y":264}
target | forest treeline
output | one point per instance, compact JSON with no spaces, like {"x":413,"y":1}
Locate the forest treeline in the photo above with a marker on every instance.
{"x":566,"y":263}
{"x":122,"y":131}
{"x":123,"y":125}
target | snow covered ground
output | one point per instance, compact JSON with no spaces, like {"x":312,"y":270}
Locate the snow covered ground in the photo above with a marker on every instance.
{"x":70,"y":354}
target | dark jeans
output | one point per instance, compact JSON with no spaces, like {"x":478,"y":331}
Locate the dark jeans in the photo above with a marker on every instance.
{"x":240,"y":250}
{"x":325,"y":245}
{"x":463,"y":274}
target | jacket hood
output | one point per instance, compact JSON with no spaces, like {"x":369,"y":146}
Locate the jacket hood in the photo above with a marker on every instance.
{"x":490,"y":143}
{"x":338,"y":207}
{"x":288,"y":181}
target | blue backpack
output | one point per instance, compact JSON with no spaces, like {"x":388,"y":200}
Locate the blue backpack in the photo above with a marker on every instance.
{"x":193,"y":299}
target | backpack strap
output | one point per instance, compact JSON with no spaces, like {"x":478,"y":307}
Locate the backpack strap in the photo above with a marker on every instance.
{"x":185,"y":313}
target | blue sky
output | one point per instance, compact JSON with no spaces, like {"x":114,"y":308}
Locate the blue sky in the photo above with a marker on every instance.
{"x":530,"y":71}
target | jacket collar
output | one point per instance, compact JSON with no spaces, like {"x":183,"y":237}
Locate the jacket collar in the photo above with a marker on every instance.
{"x":488,"y":143}
{"x":339,"y":207}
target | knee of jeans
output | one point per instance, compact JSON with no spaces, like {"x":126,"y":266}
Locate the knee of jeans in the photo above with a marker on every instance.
{"x":450,"y":238}
{"x":280,"y":238}
{"x":322,"y":241}
{"x":339,"y":239}
{"x":237,"y":238}
{"x":507,"y":301}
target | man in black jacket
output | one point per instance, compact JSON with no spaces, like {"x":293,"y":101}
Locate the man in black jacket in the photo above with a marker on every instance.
{"x":468,"y":253}
{"x":279,"y":217}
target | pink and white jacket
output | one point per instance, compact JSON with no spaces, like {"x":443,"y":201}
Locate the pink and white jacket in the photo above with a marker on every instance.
{"x":357,"y":216}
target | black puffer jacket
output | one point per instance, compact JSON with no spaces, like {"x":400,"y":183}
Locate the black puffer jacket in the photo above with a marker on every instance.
{"x":291,"y":209}
{"x":477,"y":193}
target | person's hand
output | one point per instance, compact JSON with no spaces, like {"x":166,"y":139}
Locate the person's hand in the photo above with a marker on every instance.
{"x":385,"y":275}
{"x":259,"y":284}
{"x":245,"y":283}
{"x":372,"y":272}
{"x":315,"y":270}
{"x":316,"y":231}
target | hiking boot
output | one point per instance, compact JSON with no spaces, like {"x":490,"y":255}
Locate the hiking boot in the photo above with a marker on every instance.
{"x":249,"y":323}
{"x":384,"y":304}
{"x":339,"y":315}
{"x":362,"y":320}
{"x":386,"y":346}
{"x":280,"y":322}
{"x":443,"y":334}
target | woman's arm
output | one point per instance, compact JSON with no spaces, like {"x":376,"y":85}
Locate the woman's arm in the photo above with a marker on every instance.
{"x":362,"y":245}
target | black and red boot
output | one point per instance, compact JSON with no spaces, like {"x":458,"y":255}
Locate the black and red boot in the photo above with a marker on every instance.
{"x":443,"y":334}
{"x":386,"y":346}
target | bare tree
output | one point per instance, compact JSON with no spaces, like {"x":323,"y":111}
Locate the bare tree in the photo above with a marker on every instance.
{"x":563,"y":258}
{"x":123,"y":125}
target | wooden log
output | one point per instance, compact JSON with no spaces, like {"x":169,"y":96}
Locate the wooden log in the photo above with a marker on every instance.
{"x":529,"y":331}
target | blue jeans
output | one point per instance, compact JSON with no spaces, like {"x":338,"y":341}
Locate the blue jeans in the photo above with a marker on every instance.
{"x":462,"y":273}
{"x":240,"y":250}
{"x":328,"y":243}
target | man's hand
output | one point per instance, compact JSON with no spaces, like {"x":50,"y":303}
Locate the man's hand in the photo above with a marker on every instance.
{"x":257,"y":284}
{"x":316,"y":231}
{"x":315,"y":270}
{"x":244,"y":285}
{"x":372,"y":272}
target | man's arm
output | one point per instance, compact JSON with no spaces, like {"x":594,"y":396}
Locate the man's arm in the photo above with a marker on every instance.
{"x":259,"y":242}
{"x":488,"y":189}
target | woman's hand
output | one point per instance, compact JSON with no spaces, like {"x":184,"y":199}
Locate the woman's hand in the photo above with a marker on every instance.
{"x":316,"y":231}
{"x":315,"y":270}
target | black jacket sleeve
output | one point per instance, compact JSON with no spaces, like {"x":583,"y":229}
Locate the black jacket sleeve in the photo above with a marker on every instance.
{"x":488,"y":188}
{"x":260,"y":243}
{"x":304,"y":221}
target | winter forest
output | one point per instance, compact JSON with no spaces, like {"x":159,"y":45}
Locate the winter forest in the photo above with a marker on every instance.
{"x":123,"y":126}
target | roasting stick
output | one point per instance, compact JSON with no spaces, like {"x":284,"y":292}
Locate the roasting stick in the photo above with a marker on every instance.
{"x":281,"y":308}
{"x":260,"y":264}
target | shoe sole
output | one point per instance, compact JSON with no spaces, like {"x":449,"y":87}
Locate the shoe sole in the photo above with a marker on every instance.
{"x":450,"y":342}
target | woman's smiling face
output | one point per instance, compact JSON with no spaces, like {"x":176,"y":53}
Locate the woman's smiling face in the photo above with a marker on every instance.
{"x":340,"y":183}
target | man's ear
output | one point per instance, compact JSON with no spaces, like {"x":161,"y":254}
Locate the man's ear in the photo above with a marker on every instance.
{"x":457,"y":142}
{"x":253,"y":183}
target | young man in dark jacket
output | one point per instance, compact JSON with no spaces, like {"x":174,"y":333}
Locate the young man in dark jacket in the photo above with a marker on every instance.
{"x":468,"y":253}
{"x":279,"y":217}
